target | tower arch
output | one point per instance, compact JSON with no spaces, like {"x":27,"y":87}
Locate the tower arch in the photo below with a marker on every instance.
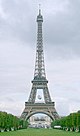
{"x":43,"y":112}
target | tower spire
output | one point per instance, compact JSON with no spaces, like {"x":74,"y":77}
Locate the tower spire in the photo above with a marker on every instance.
{"x":39,"y":9}
{"x":39,"y":72}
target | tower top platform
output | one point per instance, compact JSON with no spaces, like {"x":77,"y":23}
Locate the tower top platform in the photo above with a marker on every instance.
{"x":39,"y":17}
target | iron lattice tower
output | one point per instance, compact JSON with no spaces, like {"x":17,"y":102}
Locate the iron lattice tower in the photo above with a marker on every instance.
{"x":39,"y":82}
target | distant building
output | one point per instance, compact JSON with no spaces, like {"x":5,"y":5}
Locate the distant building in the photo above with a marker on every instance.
{"x":40,"y":122}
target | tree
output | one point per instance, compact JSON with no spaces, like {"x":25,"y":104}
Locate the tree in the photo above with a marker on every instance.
{"x":8,"y":121}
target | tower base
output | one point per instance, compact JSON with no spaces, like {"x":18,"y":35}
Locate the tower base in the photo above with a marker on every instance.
{"x":45,"y":108}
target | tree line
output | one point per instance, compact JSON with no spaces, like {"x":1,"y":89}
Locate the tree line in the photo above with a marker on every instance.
{"x":11,"y":122}
{"x":69,"y":123}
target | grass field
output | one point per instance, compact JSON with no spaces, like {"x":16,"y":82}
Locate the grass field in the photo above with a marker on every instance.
{"x":39,"y":132}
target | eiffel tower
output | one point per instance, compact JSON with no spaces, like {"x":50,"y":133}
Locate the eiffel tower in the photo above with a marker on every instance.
{"x":39,"y":82}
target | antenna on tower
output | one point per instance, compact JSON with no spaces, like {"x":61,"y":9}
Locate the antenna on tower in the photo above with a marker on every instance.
{"x":39,"y":9}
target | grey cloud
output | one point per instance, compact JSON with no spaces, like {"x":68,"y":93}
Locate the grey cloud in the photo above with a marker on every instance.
{"x":17,"y":22}
{"x":64,"y":26}
{"x":61,"y":37}
{"x":62,"y":31}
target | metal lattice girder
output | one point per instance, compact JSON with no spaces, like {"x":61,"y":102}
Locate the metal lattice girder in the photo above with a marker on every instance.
{"x":39,"y":82}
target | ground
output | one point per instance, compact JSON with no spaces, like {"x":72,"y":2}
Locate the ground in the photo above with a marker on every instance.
{"x":39,"y":132}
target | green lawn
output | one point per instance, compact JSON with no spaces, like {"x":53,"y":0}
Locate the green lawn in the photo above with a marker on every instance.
{"x":39,"y":132}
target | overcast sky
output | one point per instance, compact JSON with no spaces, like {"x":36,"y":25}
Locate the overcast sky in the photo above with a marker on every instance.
{"x":61,"y":38}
